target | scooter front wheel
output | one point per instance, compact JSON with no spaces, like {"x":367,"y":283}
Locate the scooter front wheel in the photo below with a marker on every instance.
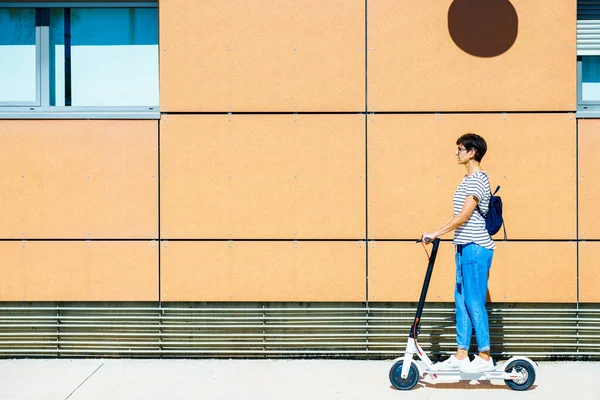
{"x":396,"y":376}
{"x":526,"y":372}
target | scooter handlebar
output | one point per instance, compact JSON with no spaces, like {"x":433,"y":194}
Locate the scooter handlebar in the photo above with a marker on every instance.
{"x":428,"y":240}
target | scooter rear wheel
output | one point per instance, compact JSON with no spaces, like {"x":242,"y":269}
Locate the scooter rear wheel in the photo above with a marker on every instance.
{"x":526,"y":370}
{"x":396,"y":376}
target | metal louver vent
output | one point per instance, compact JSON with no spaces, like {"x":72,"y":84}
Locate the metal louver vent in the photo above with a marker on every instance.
{"x":252,"y":330}
{"x":588,"y":27}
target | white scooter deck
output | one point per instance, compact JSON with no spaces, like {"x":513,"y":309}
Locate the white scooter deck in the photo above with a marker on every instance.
{"x":426,"y":366}
{"x":497,"y":374}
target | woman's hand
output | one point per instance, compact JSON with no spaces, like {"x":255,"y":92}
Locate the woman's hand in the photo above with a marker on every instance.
{"x":428,"y":237}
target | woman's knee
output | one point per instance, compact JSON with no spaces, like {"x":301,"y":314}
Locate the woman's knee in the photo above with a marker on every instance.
{"x":476,"y":307}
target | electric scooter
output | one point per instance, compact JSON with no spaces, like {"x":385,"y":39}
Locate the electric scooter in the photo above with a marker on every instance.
{"x":518,"y":372}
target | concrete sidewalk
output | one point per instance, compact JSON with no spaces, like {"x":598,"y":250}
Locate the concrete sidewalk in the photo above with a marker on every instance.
{"x":264,"y":379}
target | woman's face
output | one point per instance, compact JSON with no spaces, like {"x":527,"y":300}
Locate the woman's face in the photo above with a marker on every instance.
{"x":463,"y":155}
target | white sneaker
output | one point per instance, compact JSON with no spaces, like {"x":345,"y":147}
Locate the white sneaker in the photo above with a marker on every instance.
{"x":452,"y":363}
{"x":478,"y":365}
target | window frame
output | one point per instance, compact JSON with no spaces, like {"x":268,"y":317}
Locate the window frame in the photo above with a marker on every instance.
{"x":42,"y":109}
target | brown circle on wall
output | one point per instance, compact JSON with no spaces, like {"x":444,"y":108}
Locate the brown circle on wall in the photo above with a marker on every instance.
{"x":483,"y":28}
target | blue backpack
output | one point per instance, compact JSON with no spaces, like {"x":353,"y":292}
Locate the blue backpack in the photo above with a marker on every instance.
{"x":493,"y":219}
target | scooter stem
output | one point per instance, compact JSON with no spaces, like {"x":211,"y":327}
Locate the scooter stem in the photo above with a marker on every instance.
{"x":414,"y":330}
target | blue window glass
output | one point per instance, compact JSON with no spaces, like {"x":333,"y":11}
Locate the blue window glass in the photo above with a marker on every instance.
{"x":590,"y":78}
{"x":18,"y":57}
{"x":114,"y":56}
{"x":104,"y":57}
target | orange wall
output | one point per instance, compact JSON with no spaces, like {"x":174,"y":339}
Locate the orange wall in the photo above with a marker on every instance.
{"x":589,"y":178}
{"x":78,"y":179}
{"x":589,"y":272}
{"x":263,"y":176}
{"x":589,"y":198}
{"x":413,"y":172}
{"x":79,"y":271}
{"x":252,"y":55}
{"x":81,"y":181}
{"x":521,"y":272}
{"x":415,"y":65}
{"x":272,"y":204}
{"x":267,"y":271}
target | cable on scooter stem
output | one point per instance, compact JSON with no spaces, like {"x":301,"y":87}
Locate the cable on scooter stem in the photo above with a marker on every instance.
{"x":427,"y":240}
{"x":416,"y":322}
{"x":426,"y":252}
{"x":415,"y":328}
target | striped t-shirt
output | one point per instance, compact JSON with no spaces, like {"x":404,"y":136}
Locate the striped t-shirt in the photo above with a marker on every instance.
{"x":473,"y":231}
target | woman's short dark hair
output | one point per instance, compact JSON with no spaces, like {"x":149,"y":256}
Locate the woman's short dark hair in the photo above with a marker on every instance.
{"x":473,"y":141}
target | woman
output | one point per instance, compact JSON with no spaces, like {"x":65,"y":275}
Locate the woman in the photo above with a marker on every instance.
{"x":474,"y":252}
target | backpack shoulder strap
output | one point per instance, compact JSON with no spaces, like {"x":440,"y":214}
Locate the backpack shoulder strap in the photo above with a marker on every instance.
{"x":493,"y":194}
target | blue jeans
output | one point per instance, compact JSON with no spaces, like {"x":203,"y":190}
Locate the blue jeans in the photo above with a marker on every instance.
{"x":473,"y":263}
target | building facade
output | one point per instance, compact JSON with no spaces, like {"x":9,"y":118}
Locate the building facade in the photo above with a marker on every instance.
{"x":248,"y":178}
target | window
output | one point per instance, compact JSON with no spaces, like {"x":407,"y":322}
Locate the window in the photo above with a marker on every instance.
{"x":588,"y":55}
{"x":590,"y":79}
{"x":59,"y":60}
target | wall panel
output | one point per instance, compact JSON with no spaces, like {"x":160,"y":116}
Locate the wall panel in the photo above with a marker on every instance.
{"x":262,"y":176}
{"x":521,"y":272}
{"x":262,"y":56}
{"x":79,"y":271}
{"x":534,"y":272}
{"x":413,"y":172}
{"x":263,"y":271}
{"x":415,"y":65}
{"x":589,"y":178}
{"x":79,"y":179}
{"x":397,"y":271}
{"x":589,"y":272}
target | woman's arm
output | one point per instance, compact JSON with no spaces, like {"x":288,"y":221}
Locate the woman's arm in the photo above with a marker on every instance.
{"x":444,"y":224}
{"x":454,"y":222}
